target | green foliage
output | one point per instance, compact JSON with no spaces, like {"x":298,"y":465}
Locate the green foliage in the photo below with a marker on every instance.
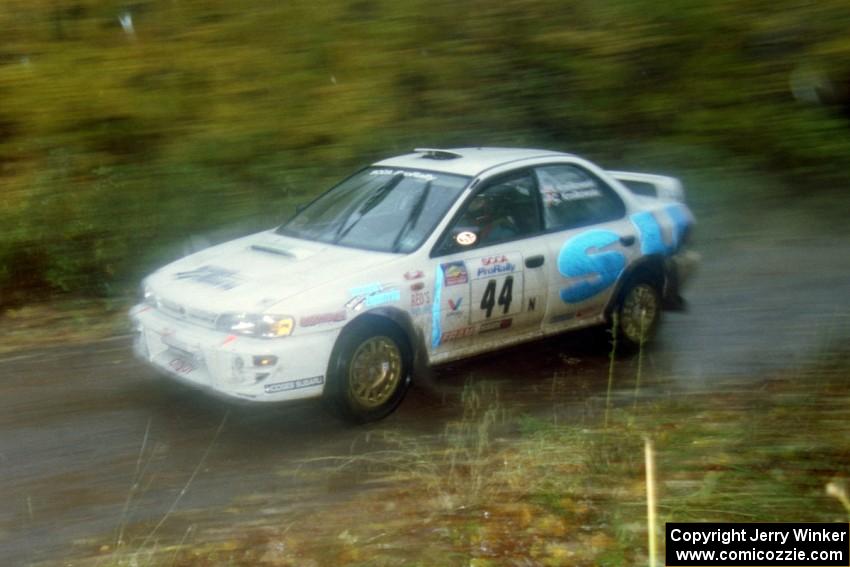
{"x":116,"y":144}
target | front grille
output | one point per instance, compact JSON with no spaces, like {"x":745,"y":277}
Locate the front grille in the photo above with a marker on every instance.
{"x":200,"y":317}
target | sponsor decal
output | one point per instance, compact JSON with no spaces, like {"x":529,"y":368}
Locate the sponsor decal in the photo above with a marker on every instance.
{"x":211,"y":275}
{"x":455,"y":273}
{"x":404,"y":173}
{"x":383,"y":297}
{"x":562,"y":317}
{"x":495,"y":325}
{"x":570,"y":192}
{"x":532,"y":303}
{"x":294,"y":385}
{"x":414,"y":275}
{"x":318,"y":319}
{"x":455,"y":308}
{"x":494,"y":266}
{"x":181,"y":366}
{"x":593,"y":269}
{"x":367,"y":289}
{"x":420,"y":298}
{"x":371,"y":295}
{"x":455,"y":334}
{"x":466,"y":238}
{"x":652,"y":238}
{"x":228,"y":340}
{"x":417,"y":286}
{"x":592,"y":260}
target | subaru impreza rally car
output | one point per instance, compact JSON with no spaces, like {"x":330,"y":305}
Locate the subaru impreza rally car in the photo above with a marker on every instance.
{"x":417,"y":260}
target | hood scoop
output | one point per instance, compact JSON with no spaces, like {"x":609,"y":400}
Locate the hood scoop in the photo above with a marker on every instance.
{"x":273,"y":250}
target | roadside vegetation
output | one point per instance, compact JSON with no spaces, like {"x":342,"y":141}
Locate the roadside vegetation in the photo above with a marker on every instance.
{"x":127,"y":128}
{"x":501,"y":488}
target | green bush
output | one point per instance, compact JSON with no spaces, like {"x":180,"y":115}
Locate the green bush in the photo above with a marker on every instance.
{"x":116,"y":145}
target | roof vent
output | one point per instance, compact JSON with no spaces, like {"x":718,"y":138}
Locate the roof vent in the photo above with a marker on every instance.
{"x":432,"y":153}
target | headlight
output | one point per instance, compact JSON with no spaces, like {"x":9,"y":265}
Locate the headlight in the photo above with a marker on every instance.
{"x":256,"y":325}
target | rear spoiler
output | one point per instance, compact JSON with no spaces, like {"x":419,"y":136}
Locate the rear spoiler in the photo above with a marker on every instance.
{"x":650,"y":185}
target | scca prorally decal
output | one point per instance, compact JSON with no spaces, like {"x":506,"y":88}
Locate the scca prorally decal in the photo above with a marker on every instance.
{"x":294,"y":385}
{"x":211,"y":275}
{"x":494,"y":266}
{"x":599,"y":269}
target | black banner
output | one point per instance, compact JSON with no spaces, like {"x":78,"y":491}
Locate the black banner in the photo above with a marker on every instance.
{"x":695,"y":544}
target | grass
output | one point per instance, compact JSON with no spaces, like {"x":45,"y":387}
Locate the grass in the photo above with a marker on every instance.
{"x":68,"y":321}
{"x":497,"y":488}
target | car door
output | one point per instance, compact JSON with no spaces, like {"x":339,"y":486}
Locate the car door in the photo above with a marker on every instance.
{"x":491,"y":271}
{"x":590,"y":243}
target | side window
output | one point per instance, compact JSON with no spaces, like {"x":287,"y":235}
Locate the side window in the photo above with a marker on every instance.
{"x":573,"y":197}
{"x":506,"y":209}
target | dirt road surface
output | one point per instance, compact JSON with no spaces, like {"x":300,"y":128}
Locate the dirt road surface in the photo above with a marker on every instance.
{"x":79,"y":423}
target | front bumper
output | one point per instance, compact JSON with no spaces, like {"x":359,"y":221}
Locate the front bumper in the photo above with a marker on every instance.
{"x":262,"y":370}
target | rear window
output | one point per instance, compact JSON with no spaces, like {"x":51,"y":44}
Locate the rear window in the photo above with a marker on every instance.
{"x":573,"y":197}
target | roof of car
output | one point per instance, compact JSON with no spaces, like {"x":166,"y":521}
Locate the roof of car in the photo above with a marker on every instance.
{"x":465,"y":161}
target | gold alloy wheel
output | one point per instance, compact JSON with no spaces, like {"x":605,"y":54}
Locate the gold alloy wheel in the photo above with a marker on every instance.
{"x":638,"y":313}
{"x":375,"y":372}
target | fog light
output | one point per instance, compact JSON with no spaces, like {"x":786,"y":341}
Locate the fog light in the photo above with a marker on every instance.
{"x":267,"y":360}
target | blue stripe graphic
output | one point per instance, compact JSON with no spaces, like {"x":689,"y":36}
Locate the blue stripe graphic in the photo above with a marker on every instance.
{"x":436,"y":329}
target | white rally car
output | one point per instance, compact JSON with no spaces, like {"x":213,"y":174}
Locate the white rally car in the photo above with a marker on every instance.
{"x":417,"y":260}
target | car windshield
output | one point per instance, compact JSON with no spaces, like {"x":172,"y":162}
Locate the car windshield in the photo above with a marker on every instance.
{"x":379,"y":208}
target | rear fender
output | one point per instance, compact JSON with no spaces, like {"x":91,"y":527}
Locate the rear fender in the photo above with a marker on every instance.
{"x":651,"y":267}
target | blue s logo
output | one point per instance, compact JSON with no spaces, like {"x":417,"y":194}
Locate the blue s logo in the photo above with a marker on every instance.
{"x":652,"y":240}
{"x":582,"y":255}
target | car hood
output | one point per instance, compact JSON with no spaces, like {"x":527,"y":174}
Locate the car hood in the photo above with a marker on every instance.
{"x":253,"y":273}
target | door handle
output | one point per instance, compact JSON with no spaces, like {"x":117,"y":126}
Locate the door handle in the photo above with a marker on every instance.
{"x":627,"y":240}
{"x":534,"y":261}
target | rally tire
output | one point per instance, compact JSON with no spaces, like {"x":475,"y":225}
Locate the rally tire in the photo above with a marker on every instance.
{"x":638,"y":313}
{"x":370,"y":371}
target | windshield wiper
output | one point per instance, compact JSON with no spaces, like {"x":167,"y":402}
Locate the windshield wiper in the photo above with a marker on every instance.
{"x":413,"y":218}
{"x":370,"y":203}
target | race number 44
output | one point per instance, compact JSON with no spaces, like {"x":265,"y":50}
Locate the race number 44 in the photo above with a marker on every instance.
{"x":489,"y":301}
